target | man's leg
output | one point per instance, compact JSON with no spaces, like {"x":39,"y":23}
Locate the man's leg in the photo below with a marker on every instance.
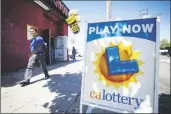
{"x":43,"y":65}
{"x":29,"y":70}
{"x":74,"y":57}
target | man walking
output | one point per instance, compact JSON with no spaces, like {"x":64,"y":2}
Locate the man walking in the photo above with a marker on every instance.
{"x":73,"y":53}
{"x":37,"y":53}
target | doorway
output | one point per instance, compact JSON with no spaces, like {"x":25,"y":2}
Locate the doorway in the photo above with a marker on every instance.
{"x":52,"y":50}
{"x":47,"y":39}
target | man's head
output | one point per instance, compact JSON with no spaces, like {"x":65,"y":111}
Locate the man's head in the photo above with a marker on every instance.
{"x":33,"y":31}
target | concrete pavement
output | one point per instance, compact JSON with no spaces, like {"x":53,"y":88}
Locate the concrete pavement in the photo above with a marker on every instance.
{"x":57,"y":94}
{"x":164,"y":85}
{"x":164,"y":59}
{"x":164,"y":73}
{"x":61,"y":93}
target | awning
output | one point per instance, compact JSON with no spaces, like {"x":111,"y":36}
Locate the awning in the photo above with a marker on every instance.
{"x":54,"y":9}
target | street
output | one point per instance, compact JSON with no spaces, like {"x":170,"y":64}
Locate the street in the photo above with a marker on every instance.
{"x":60,"y":93}
{"x":164,"y":73}
{"x":164,"y":85}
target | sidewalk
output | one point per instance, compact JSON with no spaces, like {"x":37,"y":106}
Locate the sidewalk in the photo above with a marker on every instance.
{"x":60,"y":93}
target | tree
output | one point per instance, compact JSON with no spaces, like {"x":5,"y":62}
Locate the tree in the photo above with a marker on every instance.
{"x":164,"y":44}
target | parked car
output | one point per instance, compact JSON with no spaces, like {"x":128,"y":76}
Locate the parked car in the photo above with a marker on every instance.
{"x":163,"y":52}
{"x":169,"y":51}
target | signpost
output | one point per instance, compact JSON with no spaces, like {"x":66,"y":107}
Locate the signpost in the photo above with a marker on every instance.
{"x":121,"y":66}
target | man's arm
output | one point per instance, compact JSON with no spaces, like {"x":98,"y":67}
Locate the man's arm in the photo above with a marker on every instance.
{"x":40,"y":44}
{"x":38,"y":47}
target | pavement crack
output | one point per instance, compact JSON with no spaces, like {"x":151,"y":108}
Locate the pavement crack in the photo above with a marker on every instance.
{"x":73,"y":102}
{"x":23,"y":105}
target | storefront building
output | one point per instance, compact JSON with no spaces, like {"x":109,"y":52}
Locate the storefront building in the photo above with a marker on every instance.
{"x":17,"y":16}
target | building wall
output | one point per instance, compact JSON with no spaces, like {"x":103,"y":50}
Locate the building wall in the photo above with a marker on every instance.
{"x":16,"y":14}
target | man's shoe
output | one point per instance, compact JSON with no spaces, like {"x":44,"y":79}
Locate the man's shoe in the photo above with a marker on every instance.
{"x":46,"y":77}
{"x":25,"y":82}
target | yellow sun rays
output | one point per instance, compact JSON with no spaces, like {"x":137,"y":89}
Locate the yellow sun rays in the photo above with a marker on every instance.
{"x":133,"y":55}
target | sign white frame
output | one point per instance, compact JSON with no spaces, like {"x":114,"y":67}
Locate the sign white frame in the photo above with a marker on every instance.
{"x":156,"y":82}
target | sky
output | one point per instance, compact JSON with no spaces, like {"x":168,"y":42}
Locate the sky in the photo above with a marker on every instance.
{"x":90,"y":11}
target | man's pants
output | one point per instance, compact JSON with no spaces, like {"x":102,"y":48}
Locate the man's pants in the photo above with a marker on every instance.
{"x":32,"y":63}
{"x":73,"y":55}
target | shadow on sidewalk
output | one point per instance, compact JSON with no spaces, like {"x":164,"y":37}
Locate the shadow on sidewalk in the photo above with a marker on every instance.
{"x":13,"y":78}
{"x":164,"y":103}
{"x":67,"y":87}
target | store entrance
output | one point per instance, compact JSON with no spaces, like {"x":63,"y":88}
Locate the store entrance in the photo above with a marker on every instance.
{"x":47,"y":39}
{"x":52,"y":50}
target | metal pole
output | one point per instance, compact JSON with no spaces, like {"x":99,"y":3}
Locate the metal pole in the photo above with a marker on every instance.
{"x":108,"y":10}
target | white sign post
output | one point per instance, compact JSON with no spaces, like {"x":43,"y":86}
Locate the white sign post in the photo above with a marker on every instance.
{"x":122,"y":66}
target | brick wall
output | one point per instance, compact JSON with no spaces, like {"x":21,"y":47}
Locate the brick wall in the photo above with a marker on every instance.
{"x":15,"y":15}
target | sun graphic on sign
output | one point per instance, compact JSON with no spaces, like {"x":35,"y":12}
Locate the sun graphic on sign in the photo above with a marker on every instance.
{"x":126,"y":53}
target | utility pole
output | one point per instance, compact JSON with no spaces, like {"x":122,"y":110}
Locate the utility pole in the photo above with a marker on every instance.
{"x":108,"y":10}
{"x":158,"y":16}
